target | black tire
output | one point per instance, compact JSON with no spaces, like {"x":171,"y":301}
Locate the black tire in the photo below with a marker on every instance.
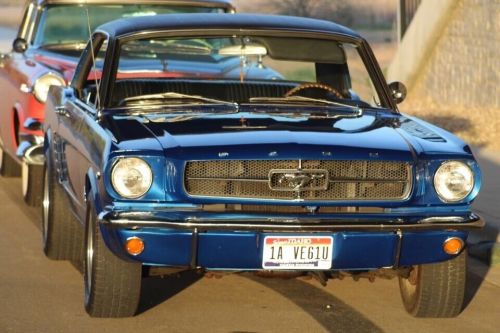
{"x":62,"y":234}
{"x":112,"y":285}
{"x":8,"y":166}
{"x":32,"y":184}
{"x":435,"y":290}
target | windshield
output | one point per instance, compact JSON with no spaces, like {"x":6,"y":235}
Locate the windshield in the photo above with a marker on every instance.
{"x":261,"y":70}
{"x":67,"y":24}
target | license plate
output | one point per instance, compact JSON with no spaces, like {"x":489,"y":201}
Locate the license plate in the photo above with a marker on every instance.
{"x":297,"y":252}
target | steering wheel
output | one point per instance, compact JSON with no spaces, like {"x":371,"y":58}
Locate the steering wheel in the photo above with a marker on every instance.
{"x":307,"y":86}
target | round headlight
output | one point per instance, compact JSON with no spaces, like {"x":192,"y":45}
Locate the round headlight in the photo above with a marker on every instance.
{"x":131,"y":177}
{"x":453,"y":181}
{"x":43,"y":83}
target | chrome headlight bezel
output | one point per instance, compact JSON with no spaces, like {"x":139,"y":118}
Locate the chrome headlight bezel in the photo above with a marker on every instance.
{"x":43,"y":83}
{"x":443,"y":181}
{"x":137,"y":167}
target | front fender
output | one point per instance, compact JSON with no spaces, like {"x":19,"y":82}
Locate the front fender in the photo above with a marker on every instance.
{"x":111,"y":238}
{"x":91,"y":190}
{"x":47,"y":140}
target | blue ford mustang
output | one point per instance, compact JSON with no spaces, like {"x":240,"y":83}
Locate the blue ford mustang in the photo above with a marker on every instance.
{"x":250,"y":143}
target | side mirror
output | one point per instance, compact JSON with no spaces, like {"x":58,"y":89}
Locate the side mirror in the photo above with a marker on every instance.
{"x":398,"y":91}
{"x":20,"y":45}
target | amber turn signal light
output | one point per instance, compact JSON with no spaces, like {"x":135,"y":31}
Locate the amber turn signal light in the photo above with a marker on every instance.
{"x":134,"y":246}
{"x":453,"y":245}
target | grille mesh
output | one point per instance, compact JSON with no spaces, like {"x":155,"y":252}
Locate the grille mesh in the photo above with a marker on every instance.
{"x":348,"y":180}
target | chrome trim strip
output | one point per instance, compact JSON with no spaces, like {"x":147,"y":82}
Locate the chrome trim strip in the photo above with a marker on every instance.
{"x":373,"y":180}
{"x":194,"y":249}
{"x":229,"y":179}
{"x":368,"y":180}
{"x":398,"y":249}
{"x":297,"y":224}
{"x":439,"y":219}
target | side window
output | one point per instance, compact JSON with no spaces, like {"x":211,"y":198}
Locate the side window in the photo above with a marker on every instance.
{"x":87,"y":76}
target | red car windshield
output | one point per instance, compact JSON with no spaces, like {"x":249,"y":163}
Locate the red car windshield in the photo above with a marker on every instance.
{"x":67,"y":25}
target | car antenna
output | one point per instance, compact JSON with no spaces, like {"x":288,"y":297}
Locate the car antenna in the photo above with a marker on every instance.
{"x":97,"y":82}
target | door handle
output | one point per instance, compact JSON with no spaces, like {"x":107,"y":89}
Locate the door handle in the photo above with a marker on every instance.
{"x":62,"y":111}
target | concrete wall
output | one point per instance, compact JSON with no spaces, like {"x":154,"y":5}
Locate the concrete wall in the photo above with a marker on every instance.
{"x":451,"y":54}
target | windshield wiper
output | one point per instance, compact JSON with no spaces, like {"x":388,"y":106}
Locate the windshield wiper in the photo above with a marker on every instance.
{"x":73,"y":45}
{"x":307,"y":101}
{"x":158,"y":47}
{"x":299,"y":100}
{"x":173,"y":98}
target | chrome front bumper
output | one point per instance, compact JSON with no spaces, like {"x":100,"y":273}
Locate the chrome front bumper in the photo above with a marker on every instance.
{"x":134,"y":220}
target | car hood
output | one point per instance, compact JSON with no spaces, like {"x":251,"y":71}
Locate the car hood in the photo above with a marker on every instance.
{"x":61,"y":63}
{"x":244,"y":135}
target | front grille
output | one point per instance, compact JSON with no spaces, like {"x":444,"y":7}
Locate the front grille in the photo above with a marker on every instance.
{"x":280,"y":209}
{"x":345,"y":180}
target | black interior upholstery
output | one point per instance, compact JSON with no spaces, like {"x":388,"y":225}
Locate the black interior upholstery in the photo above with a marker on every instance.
{"x":232,"y":91}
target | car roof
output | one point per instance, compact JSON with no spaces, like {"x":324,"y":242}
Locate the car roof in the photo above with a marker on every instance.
{"x":227,"y":4}
{"x":131,"y":26}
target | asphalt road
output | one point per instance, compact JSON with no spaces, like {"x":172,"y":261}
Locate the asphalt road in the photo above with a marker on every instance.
{"x":40,"y":295}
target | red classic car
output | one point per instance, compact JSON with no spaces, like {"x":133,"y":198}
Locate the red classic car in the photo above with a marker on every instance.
{"x":51,"y":37}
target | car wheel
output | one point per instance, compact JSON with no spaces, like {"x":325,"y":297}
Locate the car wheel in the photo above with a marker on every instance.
{"x":62,"y":234}
{"x":435,"y":290}
{"x":8,"y":166}
{"x":112,"y":285}
{"x":32,"y":182}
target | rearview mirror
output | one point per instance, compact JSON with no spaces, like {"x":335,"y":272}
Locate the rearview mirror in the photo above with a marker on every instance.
{"x":20,"y":45}
{"x":244,"y":50}
{"x":398,"y":91}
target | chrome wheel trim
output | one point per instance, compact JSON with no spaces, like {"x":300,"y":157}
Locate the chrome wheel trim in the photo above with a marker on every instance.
{"x":89,"y":257}
{"x":45,"y":206}
{"x":25,"y":178}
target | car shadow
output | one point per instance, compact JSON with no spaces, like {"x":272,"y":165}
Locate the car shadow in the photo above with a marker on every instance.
{"x":329,"y":311}
{"x":156,"y":290}
{"x":475,"y":278}
{"x":480,"y":259}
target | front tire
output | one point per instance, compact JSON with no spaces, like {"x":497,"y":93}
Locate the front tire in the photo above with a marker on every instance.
{"x":8,"y":166}
{"x":435,"y":290}
{"x":32,"y":183}
{"x":62,"y":234}
{"x":112,"y":285}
